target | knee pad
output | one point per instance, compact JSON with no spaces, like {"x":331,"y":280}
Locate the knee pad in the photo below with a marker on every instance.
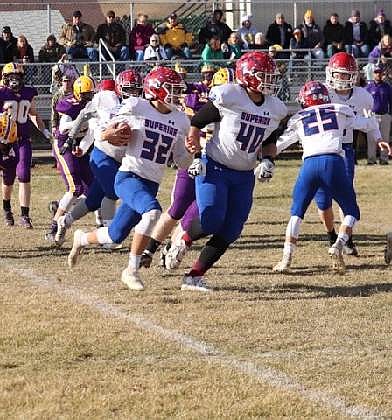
{"x":149,"y":220}
{"x":67,"y":201}
{"x":293,"y":227}
{"x":349,"y":221}
{"x":108,"y":208}
{"x":80,"y":209}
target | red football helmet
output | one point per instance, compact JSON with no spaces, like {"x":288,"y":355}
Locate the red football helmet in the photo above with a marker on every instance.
{"x":107,"y":84}
{"x":256,"y":71}
{"x":341,"y":71}
{"x":313,"y":93}
{"x":128,"y":83}
{"x":164,"y":84}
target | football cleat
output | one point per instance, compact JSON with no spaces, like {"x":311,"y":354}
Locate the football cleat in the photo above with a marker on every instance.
{"x":51,"y":233}
{"x":61,"y":231}
{"x":283,"y":266}
{"x":162,"y":255}
{"x":195,"y":283}
{"x":9,"y":218}
{"x":25,"y":222}
{"x":350,"y":248}
{"x":77,"y":249}
{"x":53,"y":207}
{"x":388,"y":249}
{"x":176,"y":254}
{"x":146,"y":259}
{"x":132,"y":280}
{"x":336,"y":254}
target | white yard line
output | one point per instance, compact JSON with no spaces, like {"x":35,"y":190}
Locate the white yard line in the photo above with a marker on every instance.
{"x":265,"y":374}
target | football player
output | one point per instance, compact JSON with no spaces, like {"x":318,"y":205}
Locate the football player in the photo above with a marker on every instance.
{"x":153,"y":129}
{"x":105,"y":158}
{"x":245,"y":116}
{"x":18,"y":101}
{"x":74,"y":169}
{"x":321,"y":128}
{"x":341,"y":75}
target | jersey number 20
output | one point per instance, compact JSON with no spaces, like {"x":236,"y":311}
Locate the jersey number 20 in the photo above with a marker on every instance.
{"x":18,"y":111}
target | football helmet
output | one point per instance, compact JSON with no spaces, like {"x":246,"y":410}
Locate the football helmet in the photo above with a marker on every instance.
{"x":313,"y":93}
{"x":83,"y":88}
{"x":207,"y":73}
{"x":107,"y":84}
{"x":128,"y":83}
{"x":12,"y":76}
{"x":256,"y":71}
{"x":341,"y":71}
{"x":8,"y":129}
{"x":223,"y":76}
{"x":165,"y":85}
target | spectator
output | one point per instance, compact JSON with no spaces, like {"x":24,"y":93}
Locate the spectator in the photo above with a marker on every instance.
{"x":280,"y":33}
{"x":283,"y":90}
{"x":384,"y":48}
{"x":140,"y":37}
{"x":232,"y":50}
{"x":78,"y":38}
{"x":175,"y":39}
{"x":214,"y":27}
{"x":260,"y":42}
{"x":51,"y":52}
{"x":113,"y":34}
{"x":356,"y":36}
{"x":298,"y":42}
{"x":313,"y":34}
{"x":212,"y":51}
{"x":24,"y":51}
{"x":382,"y":96}
{"x":247,"y":32}
{"x":9,"y":45}
{"x":154,"y":50}
{"x":378,"y":27}
{"x":333,"y":35}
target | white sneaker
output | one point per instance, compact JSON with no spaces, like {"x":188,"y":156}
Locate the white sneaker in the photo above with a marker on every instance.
{"x":197,"y":284}
{"x":175,"y":255}
{"x":77,"y":249}
{"x":59,"y":237}
{"x":388,"y":249}
{"x":132,"y":279}
{"x":336,"y":255}
{"x":284,"y":265}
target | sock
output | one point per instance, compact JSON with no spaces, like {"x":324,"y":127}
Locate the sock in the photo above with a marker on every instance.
{"x":24,"y":211}
{"x":187,"y":239}
{"x":84,"y":240}
{"x":332,"y":236}
{"x":152,"y":246}
{"x":198,"y":269}
{"x":134,"y":262}
{"x":288,"y":248}
{"x":7,"y":205}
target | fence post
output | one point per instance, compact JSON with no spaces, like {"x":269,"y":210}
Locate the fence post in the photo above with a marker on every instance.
{"x":49,"y":14}
{"x":295,"y":13}
{"x":131,"y":13}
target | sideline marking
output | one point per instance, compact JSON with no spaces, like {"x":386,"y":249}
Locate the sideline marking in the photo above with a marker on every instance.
{"x":267,"y":375}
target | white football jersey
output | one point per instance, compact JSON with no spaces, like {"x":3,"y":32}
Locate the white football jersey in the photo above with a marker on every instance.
{"x":155,"y":136}
{"x":238,"y":137}
{"x":319,"y":128}
{"x":359,"y":100}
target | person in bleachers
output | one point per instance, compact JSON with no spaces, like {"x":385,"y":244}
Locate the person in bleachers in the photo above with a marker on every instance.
{"x":279,"y":33}
{"x":154,"y":50}
{"x":212,"y":51}
{"x":215,"y":26}
{"x":78,"y":38}
{"x":356,"y":36}
{"x":140,"y":37}
{"x":260,"y":42}
{"x":24,"y":51}
{"x":175,"y":39}
{"x":384,"y":48}
{"x":51,"y":52}
{"x":378,"y":27}
{"x":313,"y":34}
{"x":247,"y":32}
{"x":333,"y":35}
{"x":8,"y":45}
{"x":298,"y":42}
{"x":113,"y":34}
{"x":233,"y":47}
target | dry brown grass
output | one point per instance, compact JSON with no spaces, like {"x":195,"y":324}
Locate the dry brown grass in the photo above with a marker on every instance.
{"x":60,"y":358}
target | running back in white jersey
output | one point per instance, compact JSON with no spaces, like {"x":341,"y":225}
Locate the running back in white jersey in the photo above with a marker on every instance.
{"x":319,"y":128}
{"x":359,"y":100}
{"x":155,"y":136}
{"x":238,"y":137}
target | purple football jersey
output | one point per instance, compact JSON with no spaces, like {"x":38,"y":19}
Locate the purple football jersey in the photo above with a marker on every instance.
{"x":68,"y":106}
{"x":18,"y":105}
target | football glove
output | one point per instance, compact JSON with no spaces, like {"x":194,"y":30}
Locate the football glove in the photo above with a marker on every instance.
{"x":197,"y":167}
{"x":264,"y":171}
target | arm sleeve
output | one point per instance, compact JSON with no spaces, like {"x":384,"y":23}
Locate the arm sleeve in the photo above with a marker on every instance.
{"x":289,"y":137}
{"x":87,"y":141}
{"x":208,"y":113}
{"x":66,"y":123}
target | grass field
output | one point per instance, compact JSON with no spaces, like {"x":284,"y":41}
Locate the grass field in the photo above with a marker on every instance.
{"x":78,"y":344}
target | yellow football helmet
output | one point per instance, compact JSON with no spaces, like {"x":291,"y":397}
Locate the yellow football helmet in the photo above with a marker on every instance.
{"x":14,"y":72}
{"x":83,"y":85}
{"x":8,"y":129}
{"x":223,"y":76}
